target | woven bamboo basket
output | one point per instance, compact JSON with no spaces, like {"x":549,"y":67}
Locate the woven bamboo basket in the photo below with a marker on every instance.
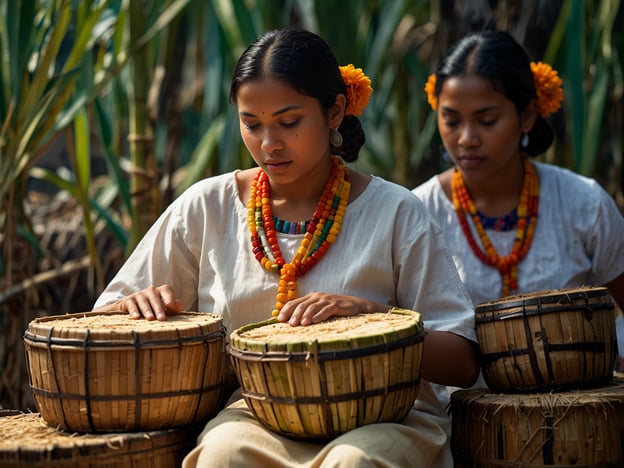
{"x":577,"y":428}
{"x":548,"y":340}
{"x":26,"y":440}
{"x":105,"y":372}
{"x":322,"y":380}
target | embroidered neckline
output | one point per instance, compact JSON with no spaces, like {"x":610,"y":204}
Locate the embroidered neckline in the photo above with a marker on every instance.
{"x":500,"y":223}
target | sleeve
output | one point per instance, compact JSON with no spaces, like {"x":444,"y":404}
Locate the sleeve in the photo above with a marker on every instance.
{"x":165,"y":255}
{"x":428,"y":276}
{"x":605,"y":243}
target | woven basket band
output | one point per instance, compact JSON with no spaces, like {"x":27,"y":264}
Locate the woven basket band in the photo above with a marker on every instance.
{"x":329,"y":355}
{"x":550,"y":299}
{"x":324,"y":399}
{"x":587,"y":309}
{"x":591,"y":347}
{"x":134,"y":396}
{"x":138,"y":342}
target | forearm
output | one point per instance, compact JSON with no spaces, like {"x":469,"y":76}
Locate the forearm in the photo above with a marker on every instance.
{"x":449,"y":359}
{"x":109,"y":307}
{"x":616,"y":289}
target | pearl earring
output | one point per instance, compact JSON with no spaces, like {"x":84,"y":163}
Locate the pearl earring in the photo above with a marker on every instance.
{"x":524,"y":141}
{"x":335,"y":138}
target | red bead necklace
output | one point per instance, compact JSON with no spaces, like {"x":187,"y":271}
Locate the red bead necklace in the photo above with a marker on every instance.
{"x":321,"y":233}
{"x":527,"y":221}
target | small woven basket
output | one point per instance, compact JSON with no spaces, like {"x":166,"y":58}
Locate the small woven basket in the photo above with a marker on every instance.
{"x":322,"y":380}
{"x":548,"y":340}
{"x":580,"y":428}
{"x":105,"y":372}
{"x":27,"y":441}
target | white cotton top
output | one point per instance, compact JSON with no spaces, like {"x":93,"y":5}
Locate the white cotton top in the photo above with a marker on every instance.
{"x":579,"y":238}
{"x":389,"y":250}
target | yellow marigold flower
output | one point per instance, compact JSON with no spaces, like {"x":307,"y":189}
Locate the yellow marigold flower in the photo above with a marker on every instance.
{"x":548,"y":85}
{"x":430,"y":87}
{"x":359,"y":89}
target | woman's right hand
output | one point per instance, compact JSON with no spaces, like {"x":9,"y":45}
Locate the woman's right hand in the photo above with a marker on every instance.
{"x":155,"y":302}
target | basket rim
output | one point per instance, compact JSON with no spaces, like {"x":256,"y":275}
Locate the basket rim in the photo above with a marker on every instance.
{"x":611,"y":390}
{"x":74,"y":446}
{"x":319,"y":355}
{"x":548,"y":297}
{"x":38,"y":335}
{"x":346,"y":347}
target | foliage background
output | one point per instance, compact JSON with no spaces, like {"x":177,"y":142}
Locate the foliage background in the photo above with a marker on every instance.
{"x":110,"y":108}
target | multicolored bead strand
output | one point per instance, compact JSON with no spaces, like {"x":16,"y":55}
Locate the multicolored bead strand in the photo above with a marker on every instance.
{"x":290,"y":227}
{"x":321,"y":232}
{"x":525,"y":228}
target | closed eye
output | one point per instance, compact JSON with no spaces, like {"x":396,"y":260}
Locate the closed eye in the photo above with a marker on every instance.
{"x":292,"y":124}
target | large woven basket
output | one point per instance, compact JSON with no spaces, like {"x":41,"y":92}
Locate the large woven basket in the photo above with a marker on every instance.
{"x":548,"y":340}
{"x":578,"y":428}
{"x":27,"y":441}
{"x":104,"y":372}
{"x":322,"y":380}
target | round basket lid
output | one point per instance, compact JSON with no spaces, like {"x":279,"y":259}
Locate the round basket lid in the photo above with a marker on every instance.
{"x":358,"y":333}
{"x":116,"y":327}
{"x":607,"y":394}
{"x":27,"y":438}
{"x":538,"y":298}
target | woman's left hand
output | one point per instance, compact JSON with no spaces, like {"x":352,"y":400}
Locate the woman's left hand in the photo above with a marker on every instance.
{"x":316,"y":307}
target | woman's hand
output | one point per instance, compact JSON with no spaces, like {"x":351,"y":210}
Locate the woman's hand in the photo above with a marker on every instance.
{"x":151,"y":303}
{"x":317,"y":307}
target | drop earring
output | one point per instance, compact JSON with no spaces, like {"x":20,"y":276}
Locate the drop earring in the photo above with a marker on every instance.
{"x":524,"y":141}
{"x":335,"y":138}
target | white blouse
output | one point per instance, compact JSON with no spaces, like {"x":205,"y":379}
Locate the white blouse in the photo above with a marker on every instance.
{"x":579,"y":239}
{"x":389,"y":250}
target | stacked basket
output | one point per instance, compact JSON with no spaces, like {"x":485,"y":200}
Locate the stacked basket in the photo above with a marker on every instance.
{"x":116,"y":392}
{"x":549,"y":358}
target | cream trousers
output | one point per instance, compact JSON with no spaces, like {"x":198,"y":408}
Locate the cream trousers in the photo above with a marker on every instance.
{"x":234,"y":438}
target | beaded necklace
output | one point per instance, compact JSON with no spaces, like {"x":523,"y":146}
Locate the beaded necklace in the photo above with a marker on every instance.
{"x":527,"y":220}
{"x":290,"y":227}
{"x":320,"y":234}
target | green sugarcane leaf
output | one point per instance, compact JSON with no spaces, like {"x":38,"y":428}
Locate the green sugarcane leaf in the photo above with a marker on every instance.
{"x":203,"y":154}
{"x":116,"y":228}
{"x":41,"y":79}
{"x":82,"y":150}
{"x":103,"y":120}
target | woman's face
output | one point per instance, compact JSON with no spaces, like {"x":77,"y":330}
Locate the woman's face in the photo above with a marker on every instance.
{"x":480,"y":127}
{"x":285,"y":131}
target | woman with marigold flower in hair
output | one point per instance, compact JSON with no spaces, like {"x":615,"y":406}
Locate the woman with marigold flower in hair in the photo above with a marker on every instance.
{"x":514,"y":225}
{"x":230,"y":243}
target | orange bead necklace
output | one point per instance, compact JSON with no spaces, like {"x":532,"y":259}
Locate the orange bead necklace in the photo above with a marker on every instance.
{"x":321,"y":233}
{"x":525,"y":231}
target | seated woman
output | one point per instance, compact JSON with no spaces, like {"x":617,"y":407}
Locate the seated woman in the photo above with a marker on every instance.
{"x":514,"y":225}
{"x":250,"y":242}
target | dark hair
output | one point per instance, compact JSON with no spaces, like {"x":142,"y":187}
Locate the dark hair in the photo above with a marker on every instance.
{"x":497,"y":56}
{"x":304,"y":61}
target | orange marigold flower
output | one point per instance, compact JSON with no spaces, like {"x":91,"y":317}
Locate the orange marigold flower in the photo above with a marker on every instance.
{"x":430,"y":87}
{"x":359,"y":89}
{"x":548,"y":86}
